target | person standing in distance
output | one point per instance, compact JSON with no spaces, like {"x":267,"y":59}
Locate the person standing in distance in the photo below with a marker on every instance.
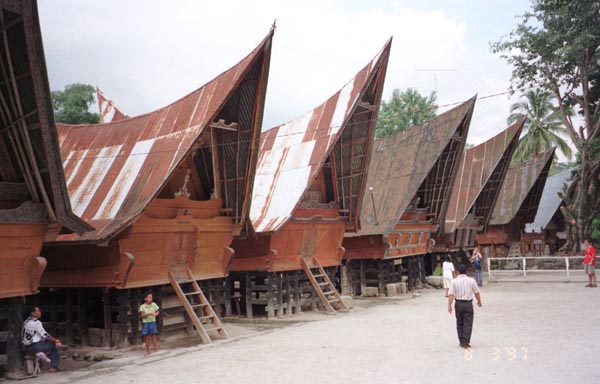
{"x":477,"y":261}
{"x":148,"y":312}
{"x":448,"y":269}
{"x":589,"y":263}
{"x":461,"y":291}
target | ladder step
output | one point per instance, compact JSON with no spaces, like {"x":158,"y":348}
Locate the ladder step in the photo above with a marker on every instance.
{"x":328,"y":293}
{"x":206,"y":317}
{"x":194,"y":306}
{"x":319,"y":275}
{"x":325,"y":283}
{"x":333,"y":300}
{"x":192,"y":293}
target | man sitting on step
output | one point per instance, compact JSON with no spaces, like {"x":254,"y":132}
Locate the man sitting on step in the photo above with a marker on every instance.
{"x":36,"y":339}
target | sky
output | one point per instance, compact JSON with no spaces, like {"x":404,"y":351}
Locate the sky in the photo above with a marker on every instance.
{"x":146,"y":54}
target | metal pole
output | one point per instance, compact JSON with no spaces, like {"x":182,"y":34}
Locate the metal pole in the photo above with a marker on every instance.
{"x":489,"y":264}
{"x":524,"y":268}
{"x":567,"y":265}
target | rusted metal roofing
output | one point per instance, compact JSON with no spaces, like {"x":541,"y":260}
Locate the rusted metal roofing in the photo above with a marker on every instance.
{"x":482,"y":171}
{"x":550,"y":200}
{"x":401,"y":162}
{"x":292,"y":154}
{"x":114,"y":170}
{"x":30,"y":164}
{"x":522,"y":189}
{"x":109,"y":112}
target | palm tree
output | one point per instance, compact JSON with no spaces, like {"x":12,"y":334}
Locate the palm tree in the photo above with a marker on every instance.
{"x":543,"y":127}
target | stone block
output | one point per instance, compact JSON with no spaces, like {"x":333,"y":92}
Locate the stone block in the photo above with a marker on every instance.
{"x":436,"y":281}
{"x":348,"y":301}
{"x":391,"y":290}
{"x":371,"y":292}
{"x":403,"y":288}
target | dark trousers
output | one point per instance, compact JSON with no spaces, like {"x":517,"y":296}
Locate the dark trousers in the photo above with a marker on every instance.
{"x":464,"y":321}
{"x":48,"y":348}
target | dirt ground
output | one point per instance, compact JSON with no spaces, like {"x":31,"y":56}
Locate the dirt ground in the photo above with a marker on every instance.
{"x":536,"y":332}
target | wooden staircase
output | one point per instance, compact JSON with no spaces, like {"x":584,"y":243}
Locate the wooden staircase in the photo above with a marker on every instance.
{"x":329,"y":296}
{"x":197,"y":307}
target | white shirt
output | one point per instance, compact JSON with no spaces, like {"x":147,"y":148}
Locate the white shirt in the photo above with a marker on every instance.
{"x":463,"y":288}
{"x":448,"y":268}
{"x":33,"y":331}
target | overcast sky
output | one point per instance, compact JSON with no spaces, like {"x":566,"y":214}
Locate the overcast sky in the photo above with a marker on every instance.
{"x":146,"y":54}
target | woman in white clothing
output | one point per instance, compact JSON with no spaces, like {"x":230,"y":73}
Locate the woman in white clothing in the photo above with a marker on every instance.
{"x":448,"y":268}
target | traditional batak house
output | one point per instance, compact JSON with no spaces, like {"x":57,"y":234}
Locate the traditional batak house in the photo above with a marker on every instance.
{"x":475,"y":192}
{"x":516,"y":206}
{"x":34,"y":204}
{"x":549,"y":222}
{"x":309,"y":184}
{"x":409,"y":183}
{"x":166,"y":193}
{"x":109,"y":112}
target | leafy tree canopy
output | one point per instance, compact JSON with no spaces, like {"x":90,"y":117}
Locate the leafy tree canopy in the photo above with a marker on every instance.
{"x":71,"y":106}
{"x":543,"y":127}
{"x":556,"y":47}
{"x":403,"y":110}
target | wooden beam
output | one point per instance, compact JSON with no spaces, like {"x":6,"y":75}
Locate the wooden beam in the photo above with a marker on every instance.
{"x":14,"y":191}
{"x":26,"y":213}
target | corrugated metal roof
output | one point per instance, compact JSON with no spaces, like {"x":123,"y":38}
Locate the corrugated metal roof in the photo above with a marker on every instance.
{"x":522,"y":180}
{"x":29,"y":152}
{"x":550,"y":201}
{"x":114,"y":170}
{"x":109,"y":112}
{"x":292,"y":154}
{"x":483,"y":166}
{"x":401,"y":162}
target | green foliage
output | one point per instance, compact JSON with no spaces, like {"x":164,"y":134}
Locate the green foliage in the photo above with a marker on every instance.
{"x":543,"y":127}
{"x":71,"y":106}
{"x":556,"y":48}
{"x":403,"y":110}
{"x":595,"y":230}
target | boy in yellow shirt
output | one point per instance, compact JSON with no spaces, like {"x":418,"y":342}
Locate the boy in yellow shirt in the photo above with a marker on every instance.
{"x":148,"y":312}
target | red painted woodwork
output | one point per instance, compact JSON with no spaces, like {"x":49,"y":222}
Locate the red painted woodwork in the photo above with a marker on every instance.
{"x":20,"y":264}
{"x":171,"y":234}
{"x":311,"y":232}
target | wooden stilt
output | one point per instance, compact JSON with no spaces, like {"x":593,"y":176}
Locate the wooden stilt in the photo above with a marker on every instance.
{"x":381,"y":276}
{"x":68,"y":317}
{"x":13,"y":339}
{"x":107,"y":318}
{"x":249,"y":295}
{"x":81,"y":317}
{"x":363,"y":282}
{"x":122,"y":341}
{"x":297,"y":292}
{"x":270,"y":298}
{"x":135,"y":302}
{"x":53,"y":312}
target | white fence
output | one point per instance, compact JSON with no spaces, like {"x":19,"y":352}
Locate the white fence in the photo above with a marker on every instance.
{"x":527,"y":265}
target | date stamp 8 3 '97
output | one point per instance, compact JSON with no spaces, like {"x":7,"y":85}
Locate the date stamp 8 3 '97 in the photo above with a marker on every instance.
{"x":498,"y":354}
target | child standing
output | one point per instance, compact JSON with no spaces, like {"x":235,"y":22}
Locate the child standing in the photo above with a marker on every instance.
{"x":148,"y":312}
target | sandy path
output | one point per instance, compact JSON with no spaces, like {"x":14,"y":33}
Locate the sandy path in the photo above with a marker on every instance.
{"x":554,"y":329}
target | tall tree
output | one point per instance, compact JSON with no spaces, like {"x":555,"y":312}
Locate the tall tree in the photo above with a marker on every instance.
{"x":543,"y":127}
{"x":556,"y":47}
{"x":403,"y":110}
{"x":71,"y":106}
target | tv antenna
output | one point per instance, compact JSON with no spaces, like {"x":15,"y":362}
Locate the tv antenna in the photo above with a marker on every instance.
{"x":435,"y":71}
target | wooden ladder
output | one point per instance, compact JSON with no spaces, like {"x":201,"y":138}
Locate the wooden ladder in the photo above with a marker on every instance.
{"x":329,"y":296}
{"x":197,"y":307}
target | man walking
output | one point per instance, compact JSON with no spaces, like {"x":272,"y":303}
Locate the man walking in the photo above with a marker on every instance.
{"x":462,"y":290}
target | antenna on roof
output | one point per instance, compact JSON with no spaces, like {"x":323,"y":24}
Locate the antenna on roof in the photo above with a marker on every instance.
{"x":435,"y":71}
